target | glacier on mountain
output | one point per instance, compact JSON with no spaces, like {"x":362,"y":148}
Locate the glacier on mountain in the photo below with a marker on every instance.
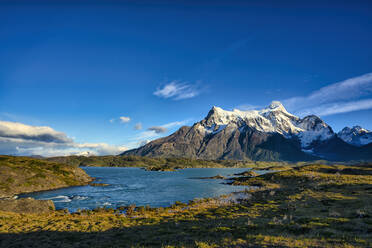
{"x":356,"y":135}
{"x":273,"y":119}
{"x":268,"y":134}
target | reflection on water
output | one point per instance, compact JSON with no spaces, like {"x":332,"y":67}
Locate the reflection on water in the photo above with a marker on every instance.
{"x":140,"y":187}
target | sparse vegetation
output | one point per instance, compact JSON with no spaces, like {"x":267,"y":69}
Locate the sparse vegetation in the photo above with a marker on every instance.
{"x":171,"y":164}
{"x":23,"y":174}
{"x":312,"y":205}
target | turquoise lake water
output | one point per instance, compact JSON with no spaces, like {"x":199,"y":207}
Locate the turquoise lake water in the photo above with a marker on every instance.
{"x":137,"y":186}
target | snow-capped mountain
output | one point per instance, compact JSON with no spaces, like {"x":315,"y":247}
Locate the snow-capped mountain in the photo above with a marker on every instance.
{"x":271,"y":133}
{"x":356,"y":135}
{"x":273,"y":119}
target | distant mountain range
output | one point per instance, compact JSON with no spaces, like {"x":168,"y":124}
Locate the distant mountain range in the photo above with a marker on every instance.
{"x":356,"y":135}
{"x":270,"y":134}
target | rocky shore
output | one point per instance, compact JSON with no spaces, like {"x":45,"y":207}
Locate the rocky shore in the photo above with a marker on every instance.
{"x":24,"y":175}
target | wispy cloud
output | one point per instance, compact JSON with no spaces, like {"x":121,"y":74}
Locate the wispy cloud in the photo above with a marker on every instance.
{"x":154,"y":132}
{"x":338,"y":108}
{"x":176,"y":123}
{"x":177,"y":90}
{"x":124,"y":119}
{"x":349,"y":95}
{"x":138,"y":126}
{"x":164,"y":128}
{"x":144,"y":142}
{"x":121,"y":119}
{"x":145,"y":135}
{"x":157,"y":129}
{"x":246,"y":107}
{"x":21,"y":139}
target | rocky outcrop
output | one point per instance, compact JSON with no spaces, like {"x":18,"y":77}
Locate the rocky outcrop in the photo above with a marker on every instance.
{"x":26,"y":205}
{"x":249,"y":173}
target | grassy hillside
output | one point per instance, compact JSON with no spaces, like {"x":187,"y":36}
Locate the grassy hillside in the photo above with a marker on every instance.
{"x":23,"y":174}
{"x":308,"y":206}
{"x":161,"y":163}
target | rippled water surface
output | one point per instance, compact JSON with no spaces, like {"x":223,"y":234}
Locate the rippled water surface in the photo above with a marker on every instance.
{"x":140,"y":187}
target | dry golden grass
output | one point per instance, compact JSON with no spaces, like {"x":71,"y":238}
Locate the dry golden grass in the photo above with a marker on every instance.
{"x":307,"y":206}
{"x":24,"y":174}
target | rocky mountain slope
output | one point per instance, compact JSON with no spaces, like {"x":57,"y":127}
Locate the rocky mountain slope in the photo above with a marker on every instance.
{"x":270,"y":134}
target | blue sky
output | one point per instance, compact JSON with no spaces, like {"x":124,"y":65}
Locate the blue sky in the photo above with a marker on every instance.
{"x":77,"y":67}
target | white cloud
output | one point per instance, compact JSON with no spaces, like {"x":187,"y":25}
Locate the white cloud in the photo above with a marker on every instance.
{"x":21,"y":139}
{"x":18,"y":130}
{"x":178,"y":90}
{"x":102,"y":148}
{"x":337,"y":108}
{"x":176,"y":123}
{"x":124,"y":119}
{"x":68,"y":149}
{"x":341,"y":97}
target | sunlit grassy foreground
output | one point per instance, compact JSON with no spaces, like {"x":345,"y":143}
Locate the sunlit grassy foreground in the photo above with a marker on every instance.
{"x":306,"y":206}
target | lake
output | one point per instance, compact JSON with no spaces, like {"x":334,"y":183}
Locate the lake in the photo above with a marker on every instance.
{"x":136,"y":186}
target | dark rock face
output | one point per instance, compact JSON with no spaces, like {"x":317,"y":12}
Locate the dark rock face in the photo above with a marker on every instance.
{"x":230,"y":143}
{"x":270,"y":134}
{"x":338,"y":150}
{"x":27,"y":205}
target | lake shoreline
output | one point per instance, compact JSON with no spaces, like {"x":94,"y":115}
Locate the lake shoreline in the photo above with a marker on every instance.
{"x":309,"y":206}
{"x":118,"y":186}
{"x":22,"y":175}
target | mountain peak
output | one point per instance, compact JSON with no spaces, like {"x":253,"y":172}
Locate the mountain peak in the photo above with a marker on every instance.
{"x":276,"y":108}
{"x":356,"y":135}
{"x":216,"y":109}
{"x":355,"y":129}
{"x":270,"y":133}
{"x":359,"y":129}
{"x":272,"y":119}
{"x":276,"y":105}
{"x":217,"y":116}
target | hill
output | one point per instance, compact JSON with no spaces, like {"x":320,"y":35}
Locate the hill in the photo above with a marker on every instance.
{"x":156,"y":163}
{"x":24,"y":174}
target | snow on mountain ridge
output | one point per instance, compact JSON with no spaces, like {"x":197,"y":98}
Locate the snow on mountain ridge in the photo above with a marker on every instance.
{"x":356,"y":135}
{"x":273,"y":119}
